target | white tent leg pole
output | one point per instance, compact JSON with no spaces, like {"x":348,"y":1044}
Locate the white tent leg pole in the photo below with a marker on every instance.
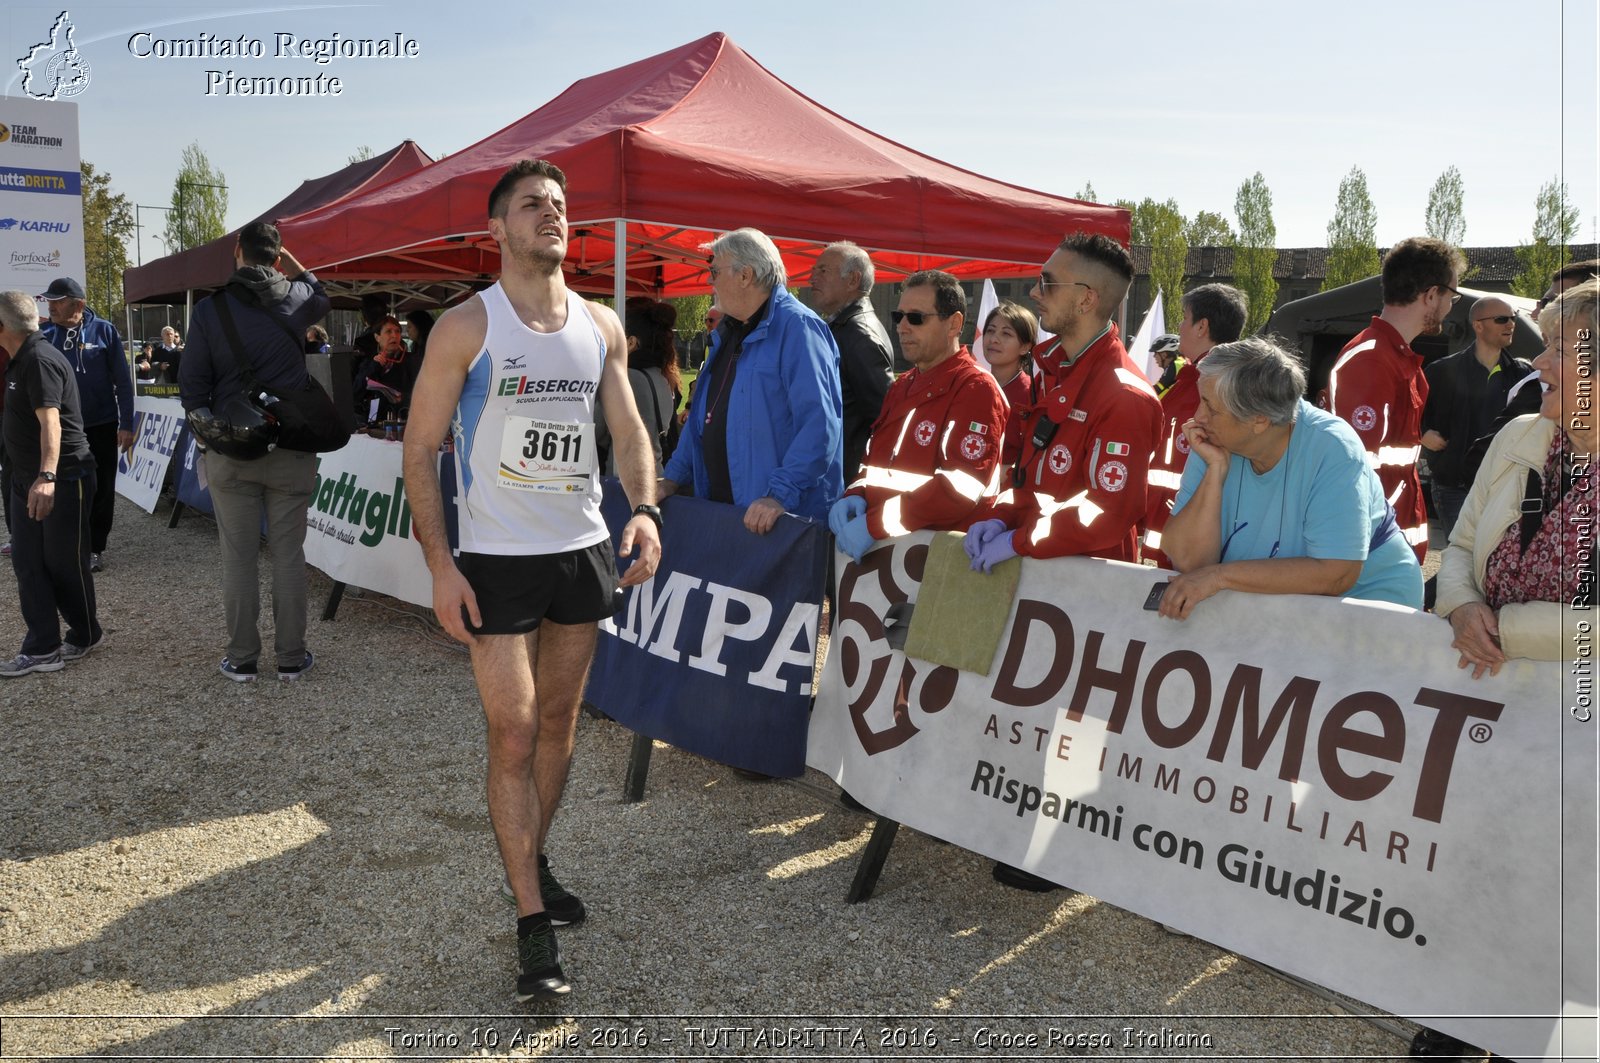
{"x":188,"y":310}
{"x":619,"y":266}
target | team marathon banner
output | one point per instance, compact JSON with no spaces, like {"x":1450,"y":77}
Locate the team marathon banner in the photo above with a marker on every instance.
{"x":1308,"y":782}
{"x":157,"y":424}
{"x":716,"y":653}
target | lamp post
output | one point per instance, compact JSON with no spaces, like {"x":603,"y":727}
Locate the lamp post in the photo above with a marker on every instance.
{"x":138,"y":226}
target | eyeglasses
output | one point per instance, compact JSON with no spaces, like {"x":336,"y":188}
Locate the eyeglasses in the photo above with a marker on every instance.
{"x":1045,"y":283}
{"x":1455,"y":296}
{"x":1498,"y":319}
{"x":916,"y":317}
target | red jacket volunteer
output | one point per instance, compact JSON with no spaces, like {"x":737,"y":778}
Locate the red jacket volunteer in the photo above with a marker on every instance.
{"x":1085,"y":457}
{"x":1378,"y":387}
{"x":935,"y":450}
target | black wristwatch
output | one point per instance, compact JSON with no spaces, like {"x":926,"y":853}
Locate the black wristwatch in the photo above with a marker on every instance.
{"x":50,"y":478}
{"x":653,"y":512}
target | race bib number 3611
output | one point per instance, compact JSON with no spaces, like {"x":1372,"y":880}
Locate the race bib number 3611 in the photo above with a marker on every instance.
{"x":546,"y":455}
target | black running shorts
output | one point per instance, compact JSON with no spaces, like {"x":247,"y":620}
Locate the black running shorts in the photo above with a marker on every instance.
{"x":515,"y":593}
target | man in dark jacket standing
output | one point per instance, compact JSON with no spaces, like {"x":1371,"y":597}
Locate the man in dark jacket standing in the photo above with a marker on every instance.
{"x":105,"y":387}
{"x":271,"y":312}
{"x":841,"y":284}
{"x":51,"y":480}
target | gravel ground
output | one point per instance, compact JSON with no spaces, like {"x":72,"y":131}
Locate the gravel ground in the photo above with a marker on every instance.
{"x":190,"y":867}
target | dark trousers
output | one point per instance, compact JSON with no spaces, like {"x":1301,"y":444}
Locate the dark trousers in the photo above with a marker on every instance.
{"x":103,"y":445}
{"x":51,"y":559}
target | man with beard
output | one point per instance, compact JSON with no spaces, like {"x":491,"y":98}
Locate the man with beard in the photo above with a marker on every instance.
{"x":1078,"y":487}
{"x":1377,"y":384}
{"x":514,"y":373}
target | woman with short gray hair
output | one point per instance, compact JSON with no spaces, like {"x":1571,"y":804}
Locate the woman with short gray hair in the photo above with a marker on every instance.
{"x":1277,"y":496}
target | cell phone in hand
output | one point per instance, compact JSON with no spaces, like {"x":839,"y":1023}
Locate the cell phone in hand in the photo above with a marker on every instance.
{"x":1152,"y":601}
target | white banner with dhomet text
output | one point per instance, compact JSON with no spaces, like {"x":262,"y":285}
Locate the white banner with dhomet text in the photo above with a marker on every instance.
{"x":1309,"y":782}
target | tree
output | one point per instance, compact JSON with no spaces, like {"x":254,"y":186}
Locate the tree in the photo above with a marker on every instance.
{"x":107,"y":224}
{"x":199,"y":202}
{"x":1352,"y":234}
{"x":1555,"y":223}
{"x":1209,"y":229}
{"x":1162,"y":226}
{"x":1445,"y":220}
{"x":1256,"y":251}
{"x":361,"y":154}
{"x":1086,"y":193}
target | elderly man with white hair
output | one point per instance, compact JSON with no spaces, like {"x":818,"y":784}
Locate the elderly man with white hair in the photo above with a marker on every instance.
{"x":764,"y":429}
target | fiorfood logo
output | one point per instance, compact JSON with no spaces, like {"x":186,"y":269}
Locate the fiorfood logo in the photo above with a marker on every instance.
{"x":55,"y":69}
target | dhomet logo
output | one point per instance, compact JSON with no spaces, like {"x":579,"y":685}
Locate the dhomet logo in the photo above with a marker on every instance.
{"x":33,"y":225}
{"x":54,"y":68}
{"x":58,"y":182}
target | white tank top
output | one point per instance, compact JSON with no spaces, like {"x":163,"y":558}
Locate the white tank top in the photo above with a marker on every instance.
{"x":526,"y":478}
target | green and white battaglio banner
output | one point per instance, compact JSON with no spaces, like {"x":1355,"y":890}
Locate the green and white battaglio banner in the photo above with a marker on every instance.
{"x":1312,"y":783}
{"x":358,"y":526}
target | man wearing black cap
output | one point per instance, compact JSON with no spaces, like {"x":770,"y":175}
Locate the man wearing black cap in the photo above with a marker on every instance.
{"x":105,"y":389}
{"x":52,"y":478}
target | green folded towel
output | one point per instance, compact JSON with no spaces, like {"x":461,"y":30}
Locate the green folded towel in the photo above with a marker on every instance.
{"x":961,"y":614}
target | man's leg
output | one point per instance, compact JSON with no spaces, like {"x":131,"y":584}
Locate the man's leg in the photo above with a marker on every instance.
{"x":562,"y":654}
{"x":237,"y":505}
{"x":1447,"y":502}
{"x":502,"y":666}
{"x":103,"y":445}
{"x":35,"y":595}
{"x":288,"y":484}
{"x":66,"y":559}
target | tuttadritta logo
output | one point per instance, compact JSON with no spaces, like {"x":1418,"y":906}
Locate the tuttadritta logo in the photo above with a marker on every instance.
{"x":55,"y":69}
{"x":32,"y":225}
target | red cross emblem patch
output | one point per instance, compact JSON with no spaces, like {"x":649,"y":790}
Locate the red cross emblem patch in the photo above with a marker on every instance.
{"x":924,"y":432}
{"x":1113,"y":475}
{"x":1364,"y":418}
{"x":973,"y":446}
{"x":1060,"y":459}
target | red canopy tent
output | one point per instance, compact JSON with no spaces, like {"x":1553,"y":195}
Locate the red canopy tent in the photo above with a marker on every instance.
{"x":169,"y":279}
{"x":666,"y":152}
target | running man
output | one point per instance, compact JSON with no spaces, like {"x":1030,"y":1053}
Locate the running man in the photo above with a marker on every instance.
{"x":514,"y":374}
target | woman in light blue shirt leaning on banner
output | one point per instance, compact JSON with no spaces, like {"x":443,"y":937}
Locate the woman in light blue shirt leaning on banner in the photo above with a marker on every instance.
{"x":1277,"y":496}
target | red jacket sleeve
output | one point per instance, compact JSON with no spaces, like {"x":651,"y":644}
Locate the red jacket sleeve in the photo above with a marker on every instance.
{"x":1361,"y":393}
{"x":970,"y":443}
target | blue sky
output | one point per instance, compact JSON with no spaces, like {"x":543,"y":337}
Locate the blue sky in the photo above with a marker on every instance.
{"x":1157,"y":99}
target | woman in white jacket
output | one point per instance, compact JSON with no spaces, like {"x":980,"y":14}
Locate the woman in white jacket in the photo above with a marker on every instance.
{"x":1521,"y":557}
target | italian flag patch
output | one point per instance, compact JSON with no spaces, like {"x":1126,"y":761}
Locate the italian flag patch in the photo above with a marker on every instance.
{"x":975,"y":426}
{"x":1117,"y":448}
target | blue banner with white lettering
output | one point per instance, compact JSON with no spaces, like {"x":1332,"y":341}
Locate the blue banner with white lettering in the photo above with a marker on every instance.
{"x":716,"y":653}
{"x":190,"y":493}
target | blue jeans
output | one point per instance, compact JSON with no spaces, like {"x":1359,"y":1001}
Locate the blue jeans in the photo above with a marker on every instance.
{"x":1447,"y":503}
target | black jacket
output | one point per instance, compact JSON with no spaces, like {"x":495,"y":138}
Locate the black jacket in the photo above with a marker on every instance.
{"x":866,"y":369}
{"x":271,"y":314}
{"x":1463,"y":405}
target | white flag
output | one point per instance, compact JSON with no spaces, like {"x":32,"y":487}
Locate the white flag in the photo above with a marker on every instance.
{"x":1155,"y":323}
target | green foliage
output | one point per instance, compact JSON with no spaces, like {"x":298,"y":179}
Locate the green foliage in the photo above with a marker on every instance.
{"x":1162,"y":226}
{"x":1086,"y":193}
{"x":199,"y":202}
{"x":1256,"y":251}
{"x":1352,"y":234}
{"x":361,"y":154}
{"x":107,"y":224}
{"x":1209,"y":229}
{"x":1555,"y":223}
{"x":691,"y":313}
{"x":1445,"y":219}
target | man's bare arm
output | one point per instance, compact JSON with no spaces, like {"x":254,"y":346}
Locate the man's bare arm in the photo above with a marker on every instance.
{"x":636,"y":463}
{"x":455,"y":341}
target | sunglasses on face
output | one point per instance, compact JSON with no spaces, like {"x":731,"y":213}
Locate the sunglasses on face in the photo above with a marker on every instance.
{"x":1500,"y":319}
{"x":916,"y":317}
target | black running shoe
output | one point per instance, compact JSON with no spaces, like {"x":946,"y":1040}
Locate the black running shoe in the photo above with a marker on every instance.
{"x":564,"y":908}
{"x":539,"y":964}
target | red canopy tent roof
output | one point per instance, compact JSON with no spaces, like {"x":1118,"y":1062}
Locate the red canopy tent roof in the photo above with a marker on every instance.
{"x":680,"y":146}
{"x":167,"y":279}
